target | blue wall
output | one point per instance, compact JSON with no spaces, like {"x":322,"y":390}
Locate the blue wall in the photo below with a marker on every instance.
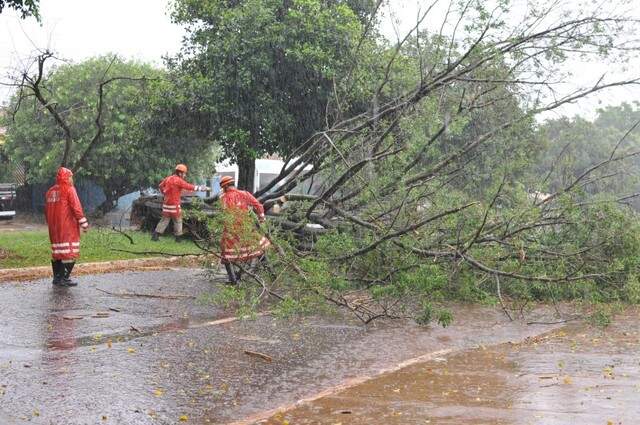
{"x":90,"y":194}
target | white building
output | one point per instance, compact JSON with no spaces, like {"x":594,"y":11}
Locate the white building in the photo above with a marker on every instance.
{"x":266,"y":170}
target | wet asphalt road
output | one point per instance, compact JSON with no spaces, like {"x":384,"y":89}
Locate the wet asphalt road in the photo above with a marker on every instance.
{"x":85,"y":356}
{"x":579,"y":374}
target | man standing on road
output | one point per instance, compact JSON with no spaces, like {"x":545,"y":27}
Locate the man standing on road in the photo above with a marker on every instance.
{"x":172,"y":187}
{"x":65,"y":217}
{"x":241,"y":241}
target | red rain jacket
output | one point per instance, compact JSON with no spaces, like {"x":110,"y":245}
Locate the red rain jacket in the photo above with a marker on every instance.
{"x":64,"y":215}
{"x":172,"y":187}
{"x":240,"y":239}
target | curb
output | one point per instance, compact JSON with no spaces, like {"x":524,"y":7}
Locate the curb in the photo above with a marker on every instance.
{"x":139,"y":264}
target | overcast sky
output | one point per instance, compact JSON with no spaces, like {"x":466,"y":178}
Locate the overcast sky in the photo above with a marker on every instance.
{"x":141,"y":29}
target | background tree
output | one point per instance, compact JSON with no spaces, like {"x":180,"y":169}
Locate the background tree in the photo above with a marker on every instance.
{"x":94,"y":118}
{"x":24,"y":7}
{"x":573,"y":145}
{"x":257,"y":76}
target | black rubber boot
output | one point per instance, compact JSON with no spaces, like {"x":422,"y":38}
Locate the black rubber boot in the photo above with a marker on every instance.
{"x":155,"y":236}
{"x":231,"y":274}
{"x":58,"y":272}
{"x":178,"y":239}
{"x":68,"y":267}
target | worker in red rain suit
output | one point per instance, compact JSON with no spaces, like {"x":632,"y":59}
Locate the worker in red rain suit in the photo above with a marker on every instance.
{"x":241,"y":241}
{"x":65,"y":217}
{"x":172,"y":187}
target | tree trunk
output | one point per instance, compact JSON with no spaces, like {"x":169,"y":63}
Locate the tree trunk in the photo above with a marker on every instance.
{"x":246,"y":172}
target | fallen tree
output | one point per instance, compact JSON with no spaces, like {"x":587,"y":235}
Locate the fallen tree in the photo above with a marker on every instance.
{"x":429,"y":194}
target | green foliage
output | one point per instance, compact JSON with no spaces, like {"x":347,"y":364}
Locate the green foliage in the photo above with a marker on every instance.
{"x":571,"y":146}
{"x":244,"y":301}
{"x":449,"y":213}
{"x":603,"y":314}
{"x":306,"y":305}
{"x":428,"y":313}
{"x":256,"y":75}
{"x":25,"y":8}
{"x":127,"y":157}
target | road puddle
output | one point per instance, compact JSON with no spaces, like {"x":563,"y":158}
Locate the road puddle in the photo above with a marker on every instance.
{"x":578,"y":374}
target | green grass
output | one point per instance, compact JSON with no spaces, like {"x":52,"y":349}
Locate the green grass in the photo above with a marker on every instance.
{"x":32,"y":248}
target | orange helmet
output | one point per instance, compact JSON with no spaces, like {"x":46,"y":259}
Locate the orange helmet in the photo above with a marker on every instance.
{"x":226,"y":181}
{"x":182,"y":168}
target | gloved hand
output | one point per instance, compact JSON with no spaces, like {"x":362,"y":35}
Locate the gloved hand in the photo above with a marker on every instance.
{"x":202,"y":189}
{"x":85,"y":227}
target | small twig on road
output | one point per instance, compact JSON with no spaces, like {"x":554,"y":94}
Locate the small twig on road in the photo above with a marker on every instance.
{"x":260,"y":355}
{"x":556,"y":323}
{"x":167,"y":254}
{"x":135,"y":294}
{"x":499,"y":292}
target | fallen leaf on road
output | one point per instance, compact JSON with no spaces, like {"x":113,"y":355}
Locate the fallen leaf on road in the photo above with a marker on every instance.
{"x":131,"y":350}
{"x":184,"y":418}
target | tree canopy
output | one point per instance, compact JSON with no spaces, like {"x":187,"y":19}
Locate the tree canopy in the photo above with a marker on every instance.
{"x":26,"y":8}
{"x":105,"y":104}
{"x":258,"y":75}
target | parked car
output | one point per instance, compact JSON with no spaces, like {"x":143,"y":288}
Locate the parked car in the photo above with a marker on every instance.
{"x":7,"y":200}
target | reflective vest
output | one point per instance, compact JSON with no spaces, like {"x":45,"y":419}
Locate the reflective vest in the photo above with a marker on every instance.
{"x":64,"y":215}
{"x":241,"y":240}
{"x":172,"y":187}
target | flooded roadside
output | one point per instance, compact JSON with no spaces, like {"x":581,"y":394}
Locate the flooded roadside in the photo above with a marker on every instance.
{"x":138,"y":348}
{"x":577,"y":374}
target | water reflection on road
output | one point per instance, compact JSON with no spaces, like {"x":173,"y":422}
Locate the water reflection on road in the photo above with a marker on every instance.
{"x":576,"y":375}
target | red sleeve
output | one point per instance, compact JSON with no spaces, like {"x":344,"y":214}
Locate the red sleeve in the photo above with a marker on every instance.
{"x":255,"y":204}
{"x":186,"y":186}
{"x":76,"y":206}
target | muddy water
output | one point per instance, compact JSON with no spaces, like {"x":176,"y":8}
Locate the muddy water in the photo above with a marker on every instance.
{"x":576,"y":375}
{"x":99,"y":353}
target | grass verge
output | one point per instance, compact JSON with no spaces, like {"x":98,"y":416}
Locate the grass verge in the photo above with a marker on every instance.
{"x":32,"y":248}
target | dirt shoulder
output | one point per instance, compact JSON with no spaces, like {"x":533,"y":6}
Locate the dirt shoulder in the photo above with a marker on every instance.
{"x":142,"y":264}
